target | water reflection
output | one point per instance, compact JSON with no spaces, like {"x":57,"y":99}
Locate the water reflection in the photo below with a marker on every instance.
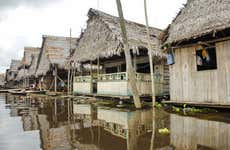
{"x":42,"y":123}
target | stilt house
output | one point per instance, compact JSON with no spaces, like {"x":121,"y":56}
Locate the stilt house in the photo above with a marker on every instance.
{"x":199,"y":41}
{"x":101,"y":47}
{"x":51,"y":61}
{"x":26,"y":71}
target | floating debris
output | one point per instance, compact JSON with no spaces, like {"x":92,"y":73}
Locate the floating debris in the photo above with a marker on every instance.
{"x":164,"y":131}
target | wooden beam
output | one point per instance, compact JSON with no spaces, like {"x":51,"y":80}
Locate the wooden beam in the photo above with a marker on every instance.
{"x":130,"y":71}
{"x":208,"y":42}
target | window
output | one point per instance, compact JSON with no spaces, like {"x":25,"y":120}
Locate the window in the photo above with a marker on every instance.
{"x":143,"y":68}
{"x":206,"y":59}
{"x":111,"y":70}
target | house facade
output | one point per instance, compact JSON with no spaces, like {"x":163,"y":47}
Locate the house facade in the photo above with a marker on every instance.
{"x":101,"y":49}
{"x":199,"y":41}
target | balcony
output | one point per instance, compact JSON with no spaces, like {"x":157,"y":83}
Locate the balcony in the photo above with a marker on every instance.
{"x":116,"y":84}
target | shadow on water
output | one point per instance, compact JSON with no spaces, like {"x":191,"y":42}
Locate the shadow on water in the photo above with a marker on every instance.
{"x":44,"y":123}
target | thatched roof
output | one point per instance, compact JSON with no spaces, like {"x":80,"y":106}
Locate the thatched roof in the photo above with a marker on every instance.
{"x":198,"y":18}
{"x":2,"y":79}
{"x":14,"y":65}
{"x":55,"y":50}
{"x":102,"y":37}
{"x":28,"y":63}
{"x":29,"y":54}
{"x":13,"y":70}
{"x":22,"y":74}
{"x":34,"y":60}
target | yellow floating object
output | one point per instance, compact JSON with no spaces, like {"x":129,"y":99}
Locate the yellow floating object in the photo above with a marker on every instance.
{"x":164,"y":131}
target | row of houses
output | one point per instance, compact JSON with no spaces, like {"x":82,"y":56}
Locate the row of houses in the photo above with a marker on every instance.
{"x":196,"y":45}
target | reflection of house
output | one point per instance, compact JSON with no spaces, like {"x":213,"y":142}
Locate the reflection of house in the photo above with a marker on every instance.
{"x":101,"y":45}
{"x":189,"y":133}
{"x":116,"y":129}
{"x":86,"y":113}
{"x":54,"y":52}
{"x":29,"y":121}
{"x":53,"y":138}
{"x":127,"y":125}
{"x":199,"y":41}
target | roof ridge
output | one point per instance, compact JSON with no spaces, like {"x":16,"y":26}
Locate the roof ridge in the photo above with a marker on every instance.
{"x":96,"y":12}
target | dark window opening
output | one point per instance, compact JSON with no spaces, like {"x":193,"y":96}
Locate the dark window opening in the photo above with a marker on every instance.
{"x":206,"y":59}
{"x":123,"y":67}
{"x":111,"y":70}
{"x":143,"y":68}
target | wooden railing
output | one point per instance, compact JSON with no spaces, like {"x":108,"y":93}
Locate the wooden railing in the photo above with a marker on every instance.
{"x":121,"y":76}
{"x":112,"y":76}
{"x":83,"y":79}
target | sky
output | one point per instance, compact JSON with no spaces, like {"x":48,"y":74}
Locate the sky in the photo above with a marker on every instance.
{"x":23,"y":22}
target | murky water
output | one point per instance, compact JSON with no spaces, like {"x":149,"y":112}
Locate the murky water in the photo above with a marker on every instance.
{"x":29,"y":124}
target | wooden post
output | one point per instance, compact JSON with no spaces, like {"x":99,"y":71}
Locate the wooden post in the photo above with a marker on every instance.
{"x":69,"y":71}
{"x":91,"y":77}
{"x":150,"y":55}
{"x":135,"y":63}
{"x":74,"y":72}
{"x":130,"y":72}
{"x":153,"y":131}
{"x":68,"y":90}
{"x":55,"y":79}
{"x":98,"y":67}
{"x":71,"y":79}
{"x":24,"y":74}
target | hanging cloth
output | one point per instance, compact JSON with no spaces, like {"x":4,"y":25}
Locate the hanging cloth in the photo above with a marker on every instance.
{"x":170,"y":58}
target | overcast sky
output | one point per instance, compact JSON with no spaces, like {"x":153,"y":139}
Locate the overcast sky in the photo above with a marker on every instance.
{"x":23,"y":22}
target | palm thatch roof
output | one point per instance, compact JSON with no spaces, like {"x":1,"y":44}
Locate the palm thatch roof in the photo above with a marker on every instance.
{"x":14,"y":65}
{"x":13,"y":70}
{"x":199,"y":18}
{"x":29,"y":54}
{"x":55,"y":50}
{"x":22,"y":74}
{"x":2,"y":79}
{"x":102,"y":37}
{"x":34,"y":60}
{"x":28,"y":63}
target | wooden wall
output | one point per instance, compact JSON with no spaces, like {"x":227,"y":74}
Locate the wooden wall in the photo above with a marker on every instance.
{"x":188,"y":84}
{"x":82,"y":87}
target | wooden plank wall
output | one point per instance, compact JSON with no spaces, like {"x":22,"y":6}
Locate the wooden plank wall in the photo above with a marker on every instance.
{"x":188,"y":84}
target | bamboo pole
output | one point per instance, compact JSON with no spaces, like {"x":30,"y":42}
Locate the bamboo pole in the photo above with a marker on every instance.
{"x":130,"y":71}
{"x":68,"y":80}
{"x":150,"y":55}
